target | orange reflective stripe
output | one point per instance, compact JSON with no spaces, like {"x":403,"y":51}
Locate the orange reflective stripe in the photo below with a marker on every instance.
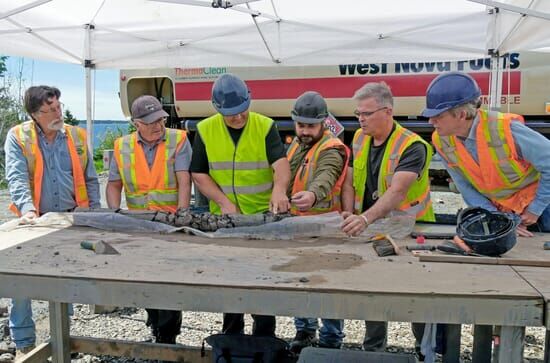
{"x":147,"y":188}
{"x":28,"y":140}
{"x":79,"y":182}
{"x":508,"y":181}
{"x":292,"y":149}
{"x":306,"y":170}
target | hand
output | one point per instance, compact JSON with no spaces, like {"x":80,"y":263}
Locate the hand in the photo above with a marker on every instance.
{"x":523,"y":232}
{"x":279,"y":203}
{"x":528,"y":218}
{"x":229,"y":208}
{"x":459,"y":242}
{"x":303,"y":200}
{"x":28,"y":218}
{"x":353,"y":224}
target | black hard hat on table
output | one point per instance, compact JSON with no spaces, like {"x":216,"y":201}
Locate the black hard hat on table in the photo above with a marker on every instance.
{"x":310,"y":108}
{"x":487,"y":233}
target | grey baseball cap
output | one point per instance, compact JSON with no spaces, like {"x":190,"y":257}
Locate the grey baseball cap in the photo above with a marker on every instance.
{"x":147,"y":109}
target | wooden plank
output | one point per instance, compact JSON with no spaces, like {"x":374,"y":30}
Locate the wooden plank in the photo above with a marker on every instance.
{"x":482,"y":308}
{"x":318,"y":265}
{"x":481,"y":260}
{"x":39,"y":354}
{"x":510,"y":349}
{"x":538,"y":278}
{"x":59,"y":332}
{"x":142,"y":350}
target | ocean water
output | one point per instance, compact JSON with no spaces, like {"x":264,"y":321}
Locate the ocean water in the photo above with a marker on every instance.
{"x":102,"y":129}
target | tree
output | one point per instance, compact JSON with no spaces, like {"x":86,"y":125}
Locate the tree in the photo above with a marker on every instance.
{"x":10,"y":111}
{"x":69,"y":118}
{"x":3,"y":68}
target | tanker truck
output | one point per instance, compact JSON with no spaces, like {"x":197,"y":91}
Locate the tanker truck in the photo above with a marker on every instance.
{"x":186,"y":92}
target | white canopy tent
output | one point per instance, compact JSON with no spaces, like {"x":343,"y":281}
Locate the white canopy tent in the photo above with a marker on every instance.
{"x":176,"y":33}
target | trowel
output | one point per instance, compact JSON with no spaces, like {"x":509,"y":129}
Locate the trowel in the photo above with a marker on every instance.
{"x":99,"y":247}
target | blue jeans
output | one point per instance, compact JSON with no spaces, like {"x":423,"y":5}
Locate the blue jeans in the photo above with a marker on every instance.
{"x":331,"y":333}
{"x":543,"y":222}
{"x":22,"y":327}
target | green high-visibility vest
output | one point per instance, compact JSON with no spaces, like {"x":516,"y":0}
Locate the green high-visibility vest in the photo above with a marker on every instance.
{"x":241,"y":171}
{"x":418,"y":197}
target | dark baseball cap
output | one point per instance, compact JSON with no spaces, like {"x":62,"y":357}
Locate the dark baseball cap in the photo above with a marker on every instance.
{"x":147,"y":109}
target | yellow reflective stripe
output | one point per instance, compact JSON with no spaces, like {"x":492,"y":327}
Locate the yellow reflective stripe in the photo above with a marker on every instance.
{"x":249,"y":189}
{"x":239,"y":165}
{"x":499,"y":156}
{"x":129,"y":162}
{"x":80,"y":145}
{"x":169,"y":178}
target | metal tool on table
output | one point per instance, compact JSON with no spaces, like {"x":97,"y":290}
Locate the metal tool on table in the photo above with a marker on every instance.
{"x":99,"y":247}
{"x":452,"y":248}
{"x":420,"y":247}
{"x":546,"y":245}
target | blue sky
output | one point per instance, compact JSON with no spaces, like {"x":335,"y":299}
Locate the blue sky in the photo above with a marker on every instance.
{"x":69,"y":78}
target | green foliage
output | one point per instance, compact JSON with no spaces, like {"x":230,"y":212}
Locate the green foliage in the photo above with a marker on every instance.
{"x":3,"y":67}
{"x":69,"y":119}
{"x":108,"y":143}
{"x":10,"y":111}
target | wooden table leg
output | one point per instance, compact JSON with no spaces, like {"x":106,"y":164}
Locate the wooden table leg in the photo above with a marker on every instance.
{"x":510,"y":349}
{"x":547,"y":347}
{"x":452,"y":343}
{"x":483,"y":339}
{"x":59,"y":332}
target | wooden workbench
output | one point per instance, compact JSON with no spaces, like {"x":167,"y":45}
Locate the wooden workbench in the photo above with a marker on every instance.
{"x":315,"y":277}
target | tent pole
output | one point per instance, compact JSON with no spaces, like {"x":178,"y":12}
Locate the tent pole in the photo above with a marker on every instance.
{"x":88,"y":65}
{"x":495,"y":87}
{"x":89,"y":125}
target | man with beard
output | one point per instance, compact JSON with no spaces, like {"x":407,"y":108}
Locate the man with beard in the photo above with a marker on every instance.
{"x":388,"y":171}
{"x":49,"y":169}
{"x":318,"y":169}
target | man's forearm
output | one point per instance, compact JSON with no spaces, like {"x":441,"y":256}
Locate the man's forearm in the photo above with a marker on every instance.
{"x":383,"y":206}
{"x":184,"y":188}
{"x":393,"y":197}
{"x":348,"y":193}
{"x":113,"y":194}
{"x":281,"y":175}
{"x":209,"y":188}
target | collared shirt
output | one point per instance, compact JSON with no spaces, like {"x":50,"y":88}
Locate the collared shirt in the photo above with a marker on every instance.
{"x":182,"y":159}
{"x":57,"y":181}
{"x":530,"y":145}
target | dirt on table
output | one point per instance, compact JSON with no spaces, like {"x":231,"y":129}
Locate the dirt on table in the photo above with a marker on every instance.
{"x":308,"y":261}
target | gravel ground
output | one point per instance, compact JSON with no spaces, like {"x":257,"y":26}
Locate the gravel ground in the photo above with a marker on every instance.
{"x":129,"y":323}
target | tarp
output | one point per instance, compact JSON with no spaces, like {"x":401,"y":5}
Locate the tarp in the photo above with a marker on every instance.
{"x":150,"y":34}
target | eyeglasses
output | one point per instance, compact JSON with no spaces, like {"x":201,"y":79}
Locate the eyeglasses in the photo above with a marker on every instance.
{"x":160,"y":120}
{"x":367,"y":114}
{"x":56,"y":109}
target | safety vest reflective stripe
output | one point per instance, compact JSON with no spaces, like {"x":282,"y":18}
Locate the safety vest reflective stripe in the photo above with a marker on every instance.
{"x":154,"y":188}
{"x":242,"y":171}
{"x":500,"y":174}
{"x":418,"y":197}
{"x":305,"y":173}
{"x":238,"y":165}
{"x":27,"y":138}
{"x":253,"y":189}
